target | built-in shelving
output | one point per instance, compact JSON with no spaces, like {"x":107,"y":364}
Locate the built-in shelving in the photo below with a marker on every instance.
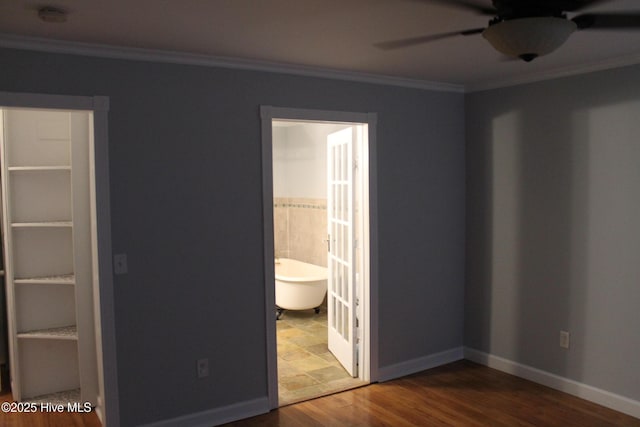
{"x":38,"y":168}
{"x":58,"y":398}
{"x":42,"y":224}
{"x":61,"y":333}
{"x":62,"y":279}
{"x":46,"y":216}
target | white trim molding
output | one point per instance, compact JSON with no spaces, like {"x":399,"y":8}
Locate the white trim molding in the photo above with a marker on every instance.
{"x":554,"y":74}
{"x":217,"y":416}
{"x":584,"y":391}
{"x":388,"y":373}
{"x":12,"y":41}
{"x":369,"y":356}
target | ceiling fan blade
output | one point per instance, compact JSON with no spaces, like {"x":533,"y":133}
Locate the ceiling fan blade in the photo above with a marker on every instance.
{"x":466,"y":4}
{"x":607,"y":21}
{"x":412,"y":41}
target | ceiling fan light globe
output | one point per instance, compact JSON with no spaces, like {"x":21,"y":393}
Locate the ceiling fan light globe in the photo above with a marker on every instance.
{"x":535,"y":36}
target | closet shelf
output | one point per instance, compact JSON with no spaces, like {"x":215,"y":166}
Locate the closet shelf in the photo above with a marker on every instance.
{"x":60,"y":397}
{"x":41,"y":224}
{"x":63,"y":279}
{"x":46,"y":194}
{"x":38,"y":168}
{"x":61,"y":333}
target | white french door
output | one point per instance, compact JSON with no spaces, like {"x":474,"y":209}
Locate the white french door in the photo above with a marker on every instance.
{"x":341,"y":292}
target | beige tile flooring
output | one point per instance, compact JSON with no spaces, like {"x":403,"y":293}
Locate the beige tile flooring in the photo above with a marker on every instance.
{"x":306,"y":368}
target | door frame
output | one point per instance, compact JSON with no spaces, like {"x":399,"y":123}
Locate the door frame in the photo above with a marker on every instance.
{"x":108,"y":403}
{"x":370,"y":315}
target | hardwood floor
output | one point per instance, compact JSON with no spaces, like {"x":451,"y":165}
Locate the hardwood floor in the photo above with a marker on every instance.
{"x":459,"y":394}
{"x":44,"y":418}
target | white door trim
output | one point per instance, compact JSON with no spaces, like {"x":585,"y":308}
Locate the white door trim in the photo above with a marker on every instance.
{"x":370,"y":316}
{"x":99,"y":105}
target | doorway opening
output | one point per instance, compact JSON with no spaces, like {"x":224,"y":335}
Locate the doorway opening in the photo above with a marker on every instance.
{"x":317,"y":236}
{"x":56,"y":251}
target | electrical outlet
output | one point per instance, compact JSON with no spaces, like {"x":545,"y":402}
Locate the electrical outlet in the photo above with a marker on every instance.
{"x":564,"y":339}
{"x":202,"y":366}
{"x":120,"y":264}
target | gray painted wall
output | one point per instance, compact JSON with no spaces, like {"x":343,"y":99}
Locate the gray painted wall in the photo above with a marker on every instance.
{"x":553,"y":201}
{"x":186,"y":207}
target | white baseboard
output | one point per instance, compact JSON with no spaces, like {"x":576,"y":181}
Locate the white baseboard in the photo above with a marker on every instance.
{"x":412,"y":366}
{"x":584,"y":391}
{"x":217,"y":416}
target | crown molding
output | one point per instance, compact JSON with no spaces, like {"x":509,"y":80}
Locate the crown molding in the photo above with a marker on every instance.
{"x":138,"y":54}
{"x":574,"y":70}
{"x":151,"y":55}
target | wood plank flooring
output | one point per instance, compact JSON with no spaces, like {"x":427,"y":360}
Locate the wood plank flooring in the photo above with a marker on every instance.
{"x":459,"y":394}
{"x":45,"y":419}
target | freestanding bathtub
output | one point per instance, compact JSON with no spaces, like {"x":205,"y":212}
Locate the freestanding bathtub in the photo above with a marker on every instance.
{"x":299,"y":285}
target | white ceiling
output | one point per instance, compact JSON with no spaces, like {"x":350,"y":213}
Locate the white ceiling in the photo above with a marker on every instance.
{"x":334,"y":35}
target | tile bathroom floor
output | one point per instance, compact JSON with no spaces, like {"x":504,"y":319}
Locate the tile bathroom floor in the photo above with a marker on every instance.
{"x":306,"y":368}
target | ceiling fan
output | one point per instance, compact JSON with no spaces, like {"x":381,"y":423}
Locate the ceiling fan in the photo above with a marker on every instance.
{"x":527,"y":29}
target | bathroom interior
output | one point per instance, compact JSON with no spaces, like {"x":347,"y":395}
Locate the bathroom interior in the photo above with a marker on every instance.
{"x":306,"y":367}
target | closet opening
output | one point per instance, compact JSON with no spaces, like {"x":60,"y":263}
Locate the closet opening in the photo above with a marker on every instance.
{"x":57,"y":276}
